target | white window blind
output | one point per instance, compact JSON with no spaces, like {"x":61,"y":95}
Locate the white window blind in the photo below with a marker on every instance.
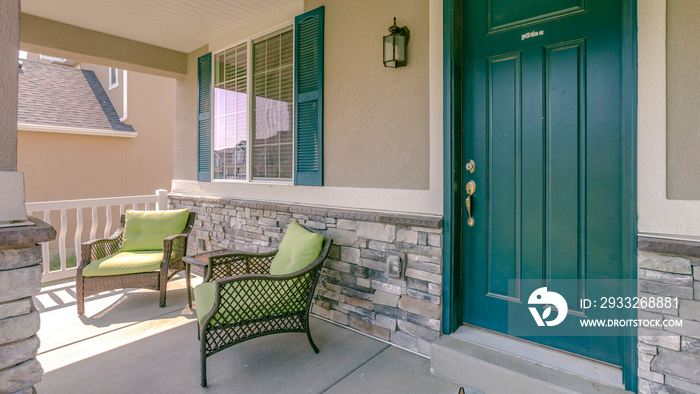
{"x":274,"y":90}
{"x":230,"y":113}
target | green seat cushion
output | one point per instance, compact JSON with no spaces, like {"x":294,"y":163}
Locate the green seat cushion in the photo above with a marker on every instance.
{"x":146,"y":230}
{"x":253,"y":307}
{"x":298,"y":249}
{"x":125,"y":263}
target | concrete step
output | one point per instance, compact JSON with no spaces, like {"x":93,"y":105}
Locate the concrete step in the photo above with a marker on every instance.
{"x":494,"y":363}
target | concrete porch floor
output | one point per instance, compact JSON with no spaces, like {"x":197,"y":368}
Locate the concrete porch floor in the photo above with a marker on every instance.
{"x":125,"y":343}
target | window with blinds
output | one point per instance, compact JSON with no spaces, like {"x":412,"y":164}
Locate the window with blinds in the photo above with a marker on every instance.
{"x":231,"y":113}
{"x":257,"y":106}
{"x":274,"y":107}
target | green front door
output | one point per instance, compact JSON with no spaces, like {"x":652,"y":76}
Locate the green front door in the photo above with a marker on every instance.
{"x":542,"y":124}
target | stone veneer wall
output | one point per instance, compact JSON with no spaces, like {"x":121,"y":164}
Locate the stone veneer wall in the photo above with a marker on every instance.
{"x":20,"y":279}
{"x":669,"y":362}
{"x":353,"y":289}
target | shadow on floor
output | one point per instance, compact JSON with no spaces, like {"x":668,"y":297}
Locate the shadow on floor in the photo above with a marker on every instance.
{"x":127,"y":344}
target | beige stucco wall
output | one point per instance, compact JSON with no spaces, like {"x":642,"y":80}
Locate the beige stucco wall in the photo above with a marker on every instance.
{"x":370,"y":163}
{"x":657,"y":214}
{"x":683,"y":99}
{"x":376,"y":118}
{"x":69,"y":166}
{"x":185,"y":136}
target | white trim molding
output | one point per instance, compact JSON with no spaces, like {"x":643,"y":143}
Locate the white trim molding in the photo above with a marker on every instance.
{"x":425,"y":202}
{"x":125,"y":92}
{"x":75,"y":130}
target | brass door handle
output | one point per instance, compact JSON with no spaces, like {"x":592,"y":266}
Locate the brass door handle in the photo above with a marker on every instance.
{"x":471,"y":188}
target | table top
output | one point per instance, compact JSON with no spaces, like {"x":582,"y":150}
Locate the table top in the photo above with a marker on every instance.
{"x":202,"y":259}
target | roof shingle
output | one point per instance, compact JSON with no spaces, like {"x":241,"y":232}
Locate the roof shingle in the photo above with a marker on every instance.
{"x":61,"y":96}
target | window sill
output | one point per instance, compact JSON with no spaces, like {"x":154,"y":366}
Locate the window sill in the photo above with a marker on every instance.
{"x":75,"y":130}
{"x":254,"y":182}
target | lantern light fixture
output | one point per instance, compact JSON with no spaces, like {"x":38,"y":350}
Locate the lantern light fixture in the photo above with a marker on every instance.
{"x":395,"y":46}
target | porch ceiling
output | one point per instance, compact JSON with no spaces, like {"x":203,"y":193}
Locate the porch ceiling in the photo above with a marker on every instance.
{"x":179,"y":25}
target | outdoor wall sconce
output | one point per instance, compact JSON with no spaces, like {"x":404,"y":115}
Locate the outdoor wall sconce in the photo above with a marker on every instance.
{"x":395,"y":46}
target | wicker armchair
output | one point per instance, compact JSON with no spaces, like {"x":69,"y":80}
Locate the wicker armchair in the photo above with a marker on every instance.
{"x":174,"y":248}
{"x":250,"y":303}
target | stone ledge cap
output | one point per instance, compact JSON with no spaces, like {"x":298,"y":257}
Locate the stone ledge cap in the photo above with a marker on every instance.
{"x":30,"y":235}
{"x":669,"y":246}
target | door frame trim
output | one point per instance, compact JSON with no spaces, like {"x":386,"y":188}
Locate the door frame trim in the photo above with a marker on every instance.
{"x":452,"y":142}
{"x":452,"y":165}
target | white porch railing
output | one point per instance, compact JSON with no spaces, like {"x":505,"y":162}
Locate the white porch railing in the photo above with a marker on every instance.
{"x":43,"y":210}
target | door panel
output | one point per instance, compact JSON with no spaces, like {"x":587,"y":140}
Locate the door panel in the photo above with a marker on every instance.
{"x":503,"y":258}
{"x":565,"y":164}
{"x":541,"y":116}
{"x":509,"y":14}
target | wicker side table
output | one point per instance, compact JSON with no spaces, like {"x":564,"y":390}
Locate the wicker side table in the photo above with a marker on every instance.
{"x":201,"y":263}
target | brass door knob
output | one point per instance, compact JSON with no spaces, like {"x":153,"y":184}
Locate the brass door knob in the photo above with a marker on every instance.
{"x":470,"y":188}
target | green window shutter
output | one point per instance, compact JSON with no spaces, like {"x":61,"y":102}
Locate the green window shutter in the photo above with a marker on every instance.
{"x":204,"y":118}
{"x":308,"y":98}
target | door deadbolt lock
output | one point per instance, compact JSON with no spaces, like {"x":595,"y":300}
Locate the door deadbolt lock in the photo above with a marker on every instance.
{"x":471,"y":166}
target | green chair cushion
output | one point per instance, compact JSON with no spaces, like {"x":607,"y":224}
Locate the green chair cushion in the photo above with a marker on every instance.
{"x":204,"y":297}
{"x":253,"y":307}
{"x":146,"y":230}
{"x":298,"y":249}
{"x":125,"y":263}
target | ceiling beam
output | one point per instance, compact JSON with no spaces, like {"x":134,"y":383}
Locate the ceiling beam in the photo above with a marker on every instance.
{"x":48,"y":37}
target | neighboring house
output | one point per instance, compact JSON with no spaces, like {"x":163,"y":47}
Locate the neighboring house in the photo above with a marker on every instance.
{"x":67,"y":98}
{"x":548,"y":144}
{"x":103,"y":129}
